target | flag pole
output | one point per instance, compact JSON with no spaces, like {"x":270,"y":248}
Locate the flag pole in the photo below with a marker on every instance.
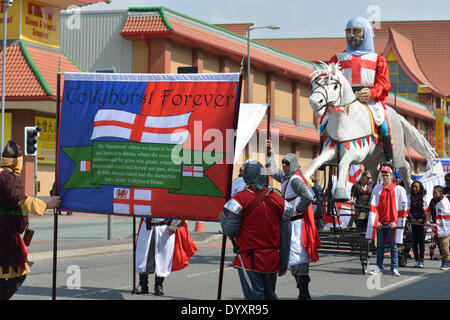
{"x":134,"y":255}
{"x":224,"y":237}
{"x":55,"y":211}
{"x":269,"y":120}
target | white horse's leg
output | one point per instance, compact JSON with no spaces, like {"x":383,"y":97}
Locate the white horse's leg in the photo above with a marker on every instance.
{"x":340,"y":193}
{"x":405,"y":171}
{"x":327,"y":154}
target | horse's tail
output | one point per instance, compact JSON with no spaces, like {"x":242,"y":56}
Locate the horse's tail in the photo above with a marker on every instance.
{"x":417,"y":140}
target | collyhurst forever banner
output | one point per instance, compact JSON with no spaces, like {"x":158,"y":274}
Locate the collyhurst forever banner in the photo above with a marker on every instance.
{"x":157,"y":145}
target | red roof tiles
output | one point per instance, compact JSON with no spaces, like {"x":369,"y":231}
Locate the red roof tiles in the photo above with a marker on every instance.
{"x":22,"y":81}
{"x":316,"y":49}
{"x":240,"y":29}
{"x":431,"y":45}
{"x":144,"y":24}
{"x":403,"y":49}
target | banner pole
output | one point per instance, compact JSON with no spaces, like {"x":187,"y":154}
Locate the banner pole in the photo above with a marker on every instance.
{"x":222,"y":262}
{"x":56,"y":212}
{"x":269,"y":120}
{"x":134,"y":255}
{"x":224,"y":239}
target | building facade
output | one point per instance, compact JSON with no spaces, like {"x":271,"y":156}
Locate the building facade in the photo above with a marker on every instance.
{"x":33,"y":59}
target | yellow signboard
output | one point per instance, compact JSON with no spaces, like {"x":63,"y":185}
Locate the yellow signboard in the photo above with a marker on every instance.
{"x":13,"y":19}
{"x":32,"y":21}
{"x":40,"y":23}
{"x":7,"y":128}
{"x":440,"y":114}
{"x":46,"y":146}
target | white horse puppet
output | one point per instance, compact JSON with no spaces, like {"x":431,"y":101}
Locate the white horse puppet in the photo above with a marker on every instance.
{"x":349,"y":129}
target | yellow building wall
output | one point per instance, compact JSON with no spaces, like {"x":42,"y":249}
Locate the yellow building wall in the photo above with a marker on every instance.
{"x":306,"y":112}
{"x":306,"y":156}
{"x":211,"y":63}
{"x":259,"y":86}
{"x":46,"y":177}
{"x":181,"y":57}
{"x":283,"y":98}
{"x":139,"y":57}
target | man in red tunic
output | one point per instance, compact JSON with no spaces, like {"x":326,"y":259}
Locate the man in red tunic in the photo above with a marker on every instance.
{"x":367,"y":73}
{"x":254,"y":218}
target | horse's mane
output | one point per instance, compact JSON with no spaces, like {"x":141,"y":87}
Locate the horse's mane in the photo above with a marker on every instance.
{"x":325,"y":70}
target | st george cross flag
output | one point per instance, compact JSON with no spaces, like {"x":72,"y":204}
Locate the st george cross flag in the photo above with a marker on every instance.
{"x":355,"y":173}
{"x":159,"y":145}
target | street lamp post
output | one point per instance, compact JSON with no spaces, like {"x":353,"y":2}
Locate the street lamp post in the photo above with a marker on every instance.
{"x":272,"y":27}
{"x":6,"y":4}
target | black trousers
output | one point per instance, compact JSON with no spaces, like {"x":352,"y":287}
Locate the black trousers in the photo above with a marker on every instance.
{"x":418,"y":242}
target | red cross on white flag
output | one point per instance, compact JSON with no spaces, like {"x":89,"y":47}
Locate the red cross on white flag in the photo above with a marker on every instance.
{"x":134,"y":201}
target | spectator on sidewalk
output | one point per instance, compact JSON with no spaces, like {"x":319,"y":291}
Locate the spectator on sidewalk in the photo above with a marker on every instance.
{"x":417,"y":216}
{"x":360,"y":193}
{"x":447,"y":185}
{"x":438,"y":217}
{"x":14,"y":208}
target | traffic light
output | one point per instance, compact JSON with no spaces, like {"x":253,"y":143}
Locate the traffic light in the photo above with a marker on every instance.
{"x":31,"y":134}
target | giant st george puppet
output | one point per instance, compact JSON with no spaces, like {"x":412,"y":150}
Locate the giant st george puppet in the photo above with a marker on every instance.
{"x":367,"y":73}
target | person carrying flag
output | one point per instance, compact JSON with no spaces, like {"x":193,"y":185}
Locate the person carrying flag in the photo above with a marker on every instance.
{"x":305,"y":238}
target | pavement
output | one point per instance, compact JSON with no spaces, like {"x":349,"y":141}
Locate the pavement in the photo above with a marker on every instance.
{"x":83,"y":234}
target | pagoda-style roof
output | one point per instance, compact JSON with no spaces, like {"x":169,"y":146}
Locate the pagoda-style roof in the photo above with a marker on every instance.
{"x":404,"y":52}
{"x":430,"y":42}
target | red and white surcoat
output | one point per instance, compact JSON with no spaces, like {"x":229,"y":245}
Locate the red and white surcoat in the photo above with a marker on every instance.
{"x":399,"y":201}
{"x":369,"y":70}
{"x":442,"y":217}
{"x":305,"y":239}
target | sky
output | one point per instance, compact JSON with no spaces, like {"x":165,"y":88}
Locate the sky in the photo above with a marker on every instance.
{"x":296,"y":18}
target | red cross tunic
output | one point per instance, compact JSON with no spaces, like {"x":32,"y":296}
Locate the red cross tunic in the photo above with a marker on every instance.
{"x":260,"y":231}
{"x":369,"y":70}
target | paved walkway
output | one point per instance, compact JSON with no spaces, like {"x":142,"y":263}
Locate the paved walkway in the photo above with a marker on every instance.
{"x":84,"y":234}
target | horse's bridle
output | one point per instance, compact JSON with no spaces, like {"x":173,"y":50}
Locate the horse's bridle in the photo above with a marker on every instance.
{"x":332,"y":104}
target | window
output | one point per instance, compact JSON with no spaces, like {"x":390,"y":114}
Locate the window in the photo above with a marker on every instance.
{"x":401,"y":84}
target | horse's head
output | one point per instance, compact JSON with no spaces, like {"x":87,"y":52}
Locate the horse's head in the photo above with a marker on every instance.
{"x":329,"y":88}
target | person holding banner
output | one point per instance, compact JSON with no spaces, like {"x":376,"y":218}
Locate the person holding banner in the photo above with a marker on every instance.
{"x":438,"y":216}
{"x":387,"y":211}
{"x":14,"y":208}
{"x":257,"y":221}
{"x":163,"y":246}
{"x":305,"y":238}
